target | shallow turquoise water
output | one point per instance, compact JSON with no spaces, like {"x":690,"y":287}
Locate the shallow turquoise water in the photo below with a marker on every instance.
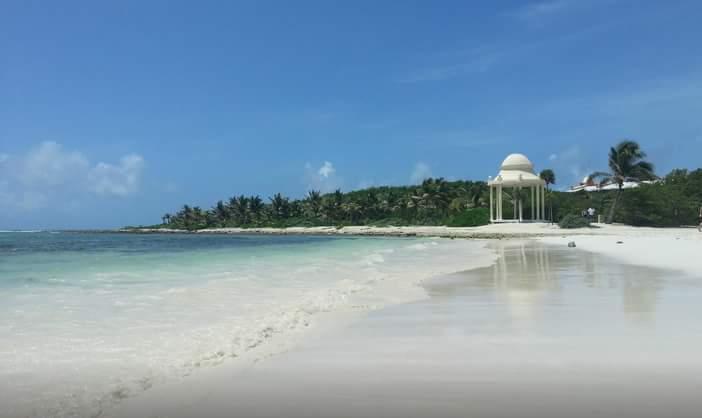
{"x":88,"y":319}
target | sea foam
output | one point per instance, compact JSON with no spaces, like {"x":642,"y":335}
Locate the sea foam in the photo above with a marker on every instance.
{"x":108,"y":325}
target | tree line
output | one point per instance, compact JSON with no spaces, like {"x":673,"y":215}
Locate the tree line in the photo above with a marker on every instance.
{"x":435,"y":201}
{"x":672,"y":200}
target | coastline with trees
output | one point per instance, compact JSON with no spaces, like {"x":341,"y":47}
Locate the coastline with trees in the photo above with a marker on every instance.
{"x":672,"y":200}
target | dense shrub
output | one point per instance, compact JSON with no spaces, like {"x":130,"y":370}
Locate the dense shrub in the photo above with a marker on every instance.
{"x":470,"y":217}
{"x":657,"y":205}
{"x":573,"y":222}
{"x":672,"y":202}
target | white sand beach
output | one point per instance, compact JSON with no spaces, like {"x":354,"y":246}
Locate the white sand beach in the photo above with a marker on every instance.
{"x":609,"y":328}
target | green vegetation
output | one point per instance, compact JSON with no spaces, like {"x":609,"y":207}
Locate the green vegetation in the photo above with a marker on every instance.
{"x":434,"y":202}
{"x":550,"y":178}
{"x":470,"y":217}
{"x":573,"y":222}
{"x":671,"y":201}
{"x":626,"y":163}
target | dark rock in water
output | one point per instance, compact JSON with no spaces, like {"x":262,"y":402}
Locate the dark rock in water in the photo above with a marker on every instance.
{"x":620,"y":242}
{"x":572,"y":244}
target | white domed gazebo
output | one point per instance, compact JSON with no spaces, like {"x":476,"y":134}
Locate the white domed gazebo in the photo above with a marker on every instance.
{"x":517,"y":173}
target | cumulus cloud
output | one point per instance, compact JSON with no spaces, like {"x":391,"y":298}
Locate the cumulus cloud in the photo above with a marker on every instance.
{"x":117,"y":180}
{"x":323,"y":179}
{"x":48,"y":173}
{"x":553,"y":157}
{"x":50,"y":165}
{"x":421,"y":172}
{"x":327,"y":169}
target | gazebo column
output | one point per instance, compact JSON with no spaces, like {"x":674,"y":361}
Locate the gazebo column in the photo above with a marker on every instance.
{"x":533,"y":200}
{"x":492,"y":211}
{"x":514,"y":203}
{"x":521,"y":214}
{"x":499,"y":202}
{"x":538,"y":203}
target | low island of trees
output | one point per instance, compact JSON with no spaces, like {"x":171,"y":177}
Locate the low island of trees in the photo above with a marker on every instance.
{"x":672,"y":200}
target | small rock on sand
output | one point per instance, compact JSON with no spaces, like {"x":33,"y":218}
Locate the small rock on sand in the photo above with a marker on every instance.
{"x":571,"y":244}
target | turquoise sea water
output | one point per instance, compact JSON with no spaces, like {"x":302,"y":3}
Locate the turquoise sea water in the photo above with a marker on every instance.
{"x":88,"y":319}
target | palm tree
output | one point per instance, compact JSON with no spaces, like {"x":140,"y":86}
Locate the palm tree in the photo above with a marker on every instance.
{"x":549,"y":177}
{"x":256,"y":207}
{"x":352,"y":210}
{"x":477,"y":191}
{"x":431,"y":196}
{"x":280,"y":206}
{"x":313,"y":203}
{"x":337,"y":199}
{"x":242,"y":209}
{"x":220,"y":213}
{"x":370,"y":203}
{"x":239,"y":210}
{"x":187,"y":214}
{"x":331,"y":205}
{"x":626,"y":162}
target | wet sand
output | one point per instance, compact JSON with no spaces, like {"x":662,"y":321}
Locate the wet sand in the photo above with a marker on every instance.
{"x":546,"y":332}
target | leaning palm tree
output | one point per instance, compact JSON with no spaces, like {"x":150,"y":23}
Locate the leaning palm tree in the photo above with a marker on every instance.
{"x":626,"y":162}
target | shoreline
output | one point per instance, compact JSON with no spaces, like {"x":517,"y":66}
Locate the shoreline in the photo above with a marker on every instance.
{"x":407,"y":290}
{"x":405,"y":352}
{"x":380,"y":274}
{"x":674,"y":250}
{"x":493,"y":231}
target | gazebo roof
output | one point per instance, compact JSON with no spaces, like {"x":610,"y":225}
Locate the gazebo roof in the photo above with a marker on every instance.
{"x":516,"y":170}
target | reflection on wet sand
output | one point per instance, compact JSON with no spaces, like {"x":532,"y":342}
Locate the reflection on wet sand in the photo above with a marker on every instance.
{"x":530,"y":278}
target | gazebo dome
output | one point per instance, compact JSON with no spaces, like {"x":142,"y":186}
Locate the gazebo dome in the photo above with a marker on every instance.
{"x":517,"y":162}
{"x":517,"y":170}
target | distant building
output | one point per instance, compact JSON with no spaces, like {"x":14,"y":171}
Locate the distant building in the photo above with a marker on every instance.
{"x":589,"y":185}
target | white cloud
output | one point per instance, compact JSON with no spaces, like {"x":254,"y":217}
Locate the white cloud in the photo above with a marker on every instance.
{"x":327,"y":170}
{"x":553,"y":157}
{"x":323,"y":179}
{"x":484,"y":58}
{"x":421,"y":172}
{"x":117,"y":180}
{"x":536,"y":12}
{"x":49,"y":165}
{"x":49,"y":174}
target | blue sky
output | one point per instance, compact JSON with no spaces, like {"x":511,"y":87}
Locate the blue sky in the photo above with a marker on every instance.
{"x":112,"y":113}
